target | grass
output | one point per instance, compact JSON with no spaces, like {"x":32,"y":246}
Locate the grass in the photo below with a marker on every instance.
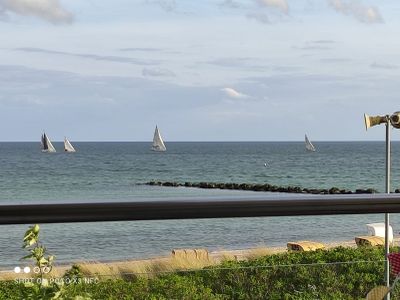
{"x":149,"y":268}
{"x":339,"y":273}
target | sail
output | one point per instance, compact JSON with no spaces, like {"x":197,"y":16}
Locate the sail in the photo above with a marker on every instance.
{"x":46,"y":144}
{"x":158,"y":144}
{"x":309,"y":146}
{"x":68,"y":146}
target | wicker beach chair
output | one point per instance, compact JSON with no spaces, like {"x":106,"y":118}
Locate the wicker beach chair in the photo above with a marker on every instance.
{"x":369,"y":240}
{"x":304,"y":246}
{"x":191,"y":254}
{"x":379,"y":292}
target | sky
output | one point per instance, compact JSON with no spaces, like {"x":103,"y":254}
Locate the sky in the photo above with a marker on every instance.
{"x":223,"y":70}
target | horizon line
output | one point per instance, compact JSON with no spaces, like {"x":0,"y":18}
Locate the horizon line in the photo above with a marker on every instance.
{"x":195,"y":141}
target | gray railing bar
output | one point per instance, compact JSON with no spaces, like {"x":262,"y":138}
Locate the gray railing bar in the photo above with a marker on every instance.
{"x":246,"y":206}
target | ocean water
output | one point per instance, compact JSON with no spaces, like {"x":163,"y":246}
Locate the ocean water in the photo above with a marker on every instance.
{"x":116,"y":172}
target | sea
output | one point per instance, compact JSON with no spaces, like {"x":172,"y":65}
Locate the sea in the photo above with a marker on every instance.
{"x":117,"y":171}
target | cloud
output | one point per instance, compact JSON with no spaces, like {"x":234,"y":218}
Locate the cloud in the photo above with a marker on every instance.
{"x":312,"y":47}
{"x":316,"y":45}
{"x":141,"y":49}
{"x":120,"y":59}
{"x":282,"y":5}
{"x":365,"y":14}
{"x":322,"y":42}
{"x":49,"y":10}
{"x":167,"y":5}
{"x":239,"y":62}
{"x":231,"y":93}
{"x":260,"y":17}
{"x":157,"y":72}
{"x":336,"y":60}
{"x":230,"y":4}
{"x":376,"y":65}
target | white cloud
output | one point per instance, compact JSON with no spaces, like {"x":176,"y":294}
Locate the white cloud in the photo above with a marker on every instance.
{"x":376,"y":65}
{"x":260,"y":17}
{"x":230,"y":4}
{"x":282,"y":5}
{"x":49,"y":10}
{"x":365,"y":14}
{"x":167,"y":5}
{"x":231,"y":93}
{"x":111,"y":58}
{"x":157,"y":72}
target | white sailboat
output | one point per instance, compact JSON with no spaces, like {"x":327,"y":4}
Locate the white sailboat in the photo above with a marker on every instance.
{"x":158,"y":144}
{"x":309,"y":145}
{"x":68,"y":146}
{"x":47,"y":146}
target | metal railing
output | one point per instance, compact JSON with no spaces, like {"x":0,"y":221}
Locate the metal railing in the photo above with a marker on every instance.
{"x":246,"y":206}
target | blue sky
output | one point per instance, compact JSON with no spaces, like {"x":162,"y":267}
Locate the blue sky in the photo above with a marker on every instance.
{"x":223,"y":70}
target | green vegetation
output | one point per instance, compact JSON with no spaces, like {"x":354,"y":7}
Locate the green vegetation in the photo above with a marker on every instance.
{"x":339,"y":273}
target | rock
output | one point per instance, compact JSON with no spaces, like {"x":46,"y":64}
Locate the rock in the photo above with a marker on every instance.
{"x":263,"y":187}
{"x":334,"y":190}
{"x":203,"y":185}
{"x":266,"y":187}
{"x":229,"y":186}
{"x":258,"y":187}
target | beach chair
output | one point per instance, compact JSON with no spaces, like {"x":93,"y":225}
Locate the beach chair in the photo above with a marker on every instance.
{"x":379,"y":292}
{"x":191,"y":254}
{"x":304,"y":246}
{"x":369,"y":240}
{"x":378,"y":229}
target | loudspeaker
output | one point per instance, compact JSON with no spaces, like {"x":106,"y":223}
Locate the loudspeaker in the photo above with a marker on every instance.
{"x":376,"y":120}
{"x":395,"y":119}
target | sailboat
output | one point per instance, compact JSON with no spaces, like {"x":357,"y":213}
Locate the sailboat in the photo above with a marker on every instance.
{"x":47,"y":146}
{"x":309,"y":146}
{"x":158,"y":144}
{"x":67,"y":146}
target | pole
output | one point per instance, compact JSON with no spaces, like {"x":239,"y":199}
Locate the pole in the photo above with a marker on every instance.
{"x":387,"y":274}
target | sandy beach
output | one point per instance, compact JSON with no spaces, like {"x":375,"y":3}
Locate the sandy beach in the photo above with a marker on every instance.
{"x":179,"y":260}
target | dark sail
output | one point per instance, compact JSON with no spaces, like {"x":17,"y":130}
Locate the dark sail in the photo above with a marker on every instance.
{"x":44,"y":142}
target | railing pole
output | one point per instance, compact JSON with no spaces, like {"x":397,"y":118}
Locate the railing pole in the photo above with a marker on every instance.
{"x":387,"y":273}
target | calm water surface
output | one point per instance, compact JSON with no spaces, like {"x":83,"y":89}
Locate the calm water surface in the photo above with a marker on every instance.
{"x":116,"y":171}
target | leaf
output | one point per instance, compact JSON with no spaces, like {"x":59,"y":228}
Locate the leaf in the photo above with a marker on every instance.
{"x":28,"y":284}
{"x":28,"y":234}
{"x":45,"y":282}
{"x":43,"y":261}
{"x":28,"y":256}
{"x":30,"y":242}
{"x":36,"y":229}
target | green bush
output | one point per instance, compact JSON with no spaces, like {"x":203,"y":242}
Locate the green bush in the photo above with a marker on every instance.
{"x":339,"y":273}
